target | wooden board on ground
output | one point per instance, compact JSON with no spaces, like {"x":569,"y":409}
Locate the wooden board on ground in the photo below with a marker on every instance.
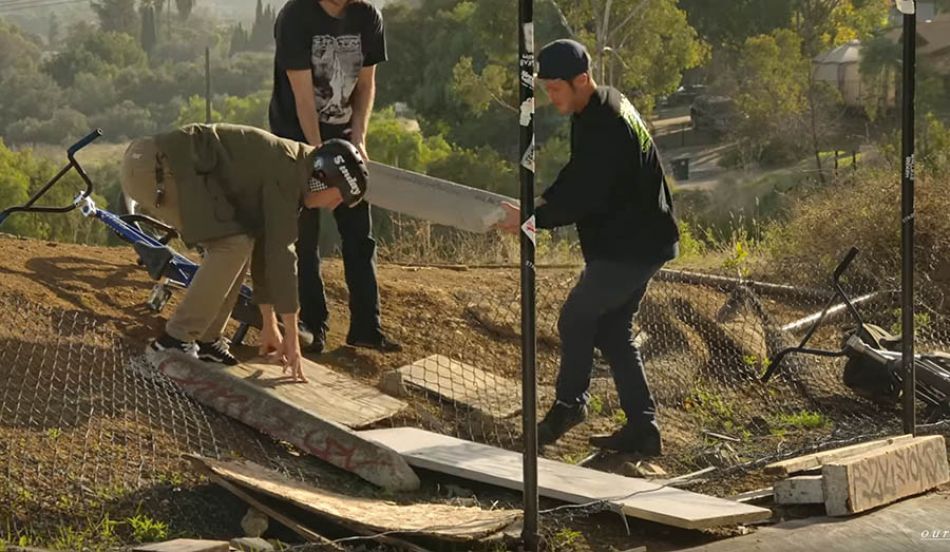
{"x":634,"y":497}
{"x":466,"y":385}
{"x":330,"y":395}
{"x":434,"y":199}
{"x":885,"y":475}
{"x":185,"y":545}
{"x":261,"y":407}
{"x":804,"y":489}
{"x":443,"y":521}
{"x":816,"y":460}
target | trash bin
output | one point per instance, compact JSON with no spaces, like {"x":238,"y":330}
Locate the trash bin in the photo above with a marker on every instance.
{"x":681,"y":168}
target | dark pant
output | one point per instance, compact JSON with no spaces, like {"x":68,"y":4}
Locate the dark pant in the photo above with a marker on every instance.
{"x":359,"y":264}
{"x":599,"y":313}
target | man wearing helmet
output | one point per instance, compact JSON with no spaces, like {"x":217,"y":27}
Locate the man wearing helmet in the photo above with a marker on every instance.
{"x":614,"y":190}
{"x":236,"y":191}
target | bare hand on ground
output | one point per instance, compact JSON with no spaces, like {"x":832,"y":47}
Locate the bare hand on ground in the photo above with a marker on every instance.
{"x":292,"y":360}
{"x":271,"y":342}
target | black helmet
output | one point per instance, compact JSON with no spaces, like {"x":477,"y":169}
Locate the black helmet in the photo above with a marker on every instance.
{"x":338,"y":164}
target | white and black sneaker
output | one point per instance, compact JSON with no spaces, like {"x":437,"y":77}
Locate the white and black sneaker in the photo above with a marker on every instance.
{"x":217,"y":351}
{"x":166,"y":343}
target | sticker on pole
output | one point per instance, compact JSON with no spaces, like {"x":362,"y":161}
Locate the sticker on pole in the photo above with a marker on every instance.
{"x":530,"y":231}
{"x":529,"y":37}
{"x":527,"y":111}
{"x":527,"y":160}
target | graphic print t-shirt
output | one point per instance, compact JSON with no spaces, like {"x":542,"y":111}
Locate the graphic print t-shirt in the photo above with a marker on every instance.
{"x":334,"y":49}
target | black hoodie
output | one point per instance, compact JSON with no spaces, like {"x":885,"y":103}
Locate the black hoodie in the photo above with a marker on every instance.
{"x":613,"y":188}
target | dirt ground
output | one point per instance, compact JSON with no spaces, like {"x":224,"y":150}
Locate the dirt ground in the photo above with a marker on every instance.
{"x":700,"y":353}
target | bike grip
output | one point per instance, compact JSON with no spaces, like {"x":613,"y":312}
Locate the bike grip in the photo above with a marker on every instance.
{"x":84,"y":142}
{"x":846,"y":262}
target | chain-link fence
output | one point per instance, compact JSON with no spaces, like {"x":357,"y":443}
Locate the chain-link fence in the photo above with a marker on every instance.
{"x":708,"y":333}
{"x":85,"y":430}
{"x":91,"y":439}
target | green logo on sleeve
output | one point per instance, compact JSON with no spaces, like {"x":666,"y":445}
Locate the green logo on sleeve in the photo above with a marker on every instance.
{"x":632,"y":117}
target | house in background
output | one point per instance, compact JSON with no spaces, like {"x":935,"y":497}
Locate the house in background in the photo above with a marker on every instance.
{"x":933,"y":42}
{"x":841,"y":68}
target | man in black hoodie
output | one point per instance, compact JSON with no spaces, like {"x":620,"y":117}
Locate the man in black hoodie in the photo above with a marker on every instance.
{"x":614,"y":190}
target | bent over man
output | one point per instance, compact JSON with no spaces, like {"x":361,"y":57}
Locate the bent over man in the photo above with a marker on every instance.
{"x":236,"y":191}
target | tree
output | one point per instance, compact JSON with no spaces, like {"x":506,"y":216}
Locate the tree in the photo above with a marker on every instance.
{"x":395,"y":141}
{"x":184,"y":8}
{"x":27,"y":94}
{"x":240,"y":40}
{"x":149,"y":34}
{"x":53,"y":35}
{"x":18,"y":52}
{"x":639,"y":46}
{"x":880,"y":73}
{"x":62,"y":127}
{"x":823,"y":24}
{"x":772,"y":94}
{"x":729,"y":24}
{"x":262,"y":31}
{"x":117,"y":16}
{"x":101,"y":54}
{"x":124,"y":121}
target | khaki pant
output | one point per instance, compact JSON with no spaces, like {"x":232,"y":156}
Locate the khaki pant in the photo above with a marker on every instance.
{"x":204,"y":311}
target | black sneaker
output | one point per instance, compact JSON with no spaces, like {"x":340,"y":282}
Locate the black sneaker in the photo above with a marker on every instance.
{"x":166,"y":342}
{"x":642,"y":439}
{"x":559,"y":420}
{"x":218,"y":352}
{"x":317,"y":338}
{"x":381,"y":343}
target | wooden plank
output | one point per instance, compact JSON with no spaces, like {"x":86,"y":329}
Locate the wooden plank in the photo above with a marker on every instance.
{"x":296,"y":526}
{"x":185,"y":545}
{"x":466,"y":385}
{"x":434,"y":199}
{"x":367,"y":515}
{"x":882,"y":476}
{"x":261,"y":408}
{"x":753,"y":496}
{"x":634,"y":497}
{"x":804,"y":489}
{"x":284,"y":520}
{"x":813,"y":461}
{"x":330,"y":395}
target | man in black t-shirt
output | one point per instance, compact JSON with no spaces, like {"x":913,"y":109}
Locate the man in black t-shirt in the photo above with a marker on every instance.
{"x":324,"y":87}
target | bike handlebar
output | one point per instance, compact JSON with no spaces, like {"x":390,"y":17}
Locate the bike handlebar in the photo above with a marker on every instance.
{"x":85,"y":141}
{"x":73,"y":163}
{"x":845,"y":263}
{"x":801,"y":348}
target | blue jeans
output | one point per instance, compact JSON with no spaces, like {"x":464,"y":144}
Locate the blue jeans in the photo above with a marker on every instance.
{"x":599,"y":313}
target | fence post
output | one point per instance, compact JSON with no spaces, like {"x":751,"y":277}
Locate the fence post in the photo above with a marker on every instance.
{"x":908,"y":8}
{"x":530,"y":535}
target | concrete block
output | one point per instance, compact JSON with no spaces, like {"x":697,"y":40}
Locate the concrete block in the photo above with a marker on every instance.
{"x":882,"y":476}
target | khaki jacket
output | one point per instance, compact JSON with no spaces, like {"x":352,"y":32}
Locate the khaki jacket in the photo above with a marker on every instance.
{"x":242,"y":180}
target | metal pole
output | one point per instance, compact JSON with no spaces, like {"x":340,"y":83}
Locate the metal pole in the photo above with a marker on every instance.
{"x":530,"y":534}
{"x":208,"y":85}
{"x":907,"y":214}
